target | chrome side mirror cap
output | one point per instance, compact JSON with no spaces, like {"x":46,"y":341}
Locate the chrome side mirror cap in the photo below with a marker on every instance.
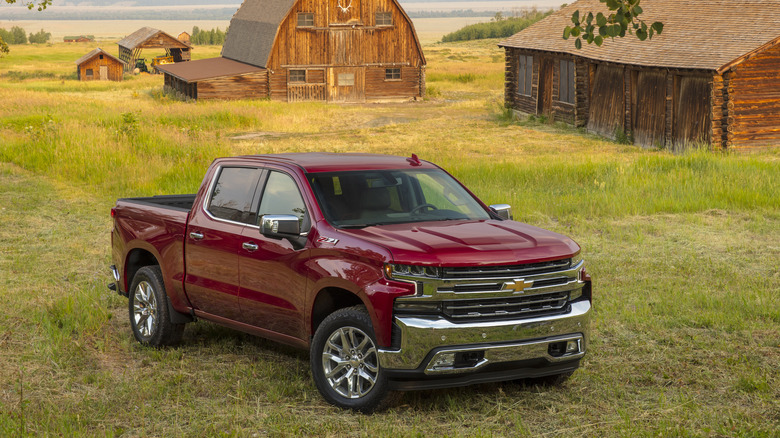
{"x":504,"y":211}
{"x":280,"y":225}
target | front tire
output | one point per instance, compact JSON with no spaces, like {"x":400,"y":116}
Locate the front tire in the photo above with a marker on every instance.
{"x":148,"y":308}
{"x":345,"y":362}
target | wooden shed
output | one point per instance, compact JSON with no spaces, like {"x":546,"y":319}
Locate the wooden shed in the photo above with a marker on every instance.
{"x":131,"y":46}
{"x":99,"y":65}
{"x":712,"y":76}
{"x":314,"y":50}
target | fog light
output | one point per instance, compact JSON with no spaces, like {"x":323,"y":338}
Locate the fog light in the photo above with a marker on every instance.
{"x":444,"y":360}
{"x":573,"y":347}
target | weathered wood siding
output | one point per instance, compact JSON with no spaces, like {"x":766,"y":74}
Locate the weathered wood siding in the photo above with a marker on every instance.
{"x":380,"y":88}
{"x":544,"y":97}
{"x":246,"y":86}
{"x":753,"y":101}
{"x":648,"y":107}
{"x":348,"y":38}
{"x":523,"y":103}
{"x":115,"y":69}
{"x":607,"y":112}
{"x":692,"y":100}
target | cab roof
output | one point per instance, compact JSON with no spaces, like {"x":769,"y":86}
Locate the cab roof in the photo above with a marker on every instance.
{"x":314,"y":162}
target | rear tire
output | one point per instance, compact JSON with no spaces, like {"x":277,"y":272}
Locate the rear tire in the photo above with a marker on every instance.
{"x":148,"y":309}
{"x":345,"y":362}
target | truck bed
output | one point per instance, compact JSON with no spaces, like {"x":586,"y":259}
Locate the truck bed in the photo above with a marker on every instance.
{"x":174,"y":202}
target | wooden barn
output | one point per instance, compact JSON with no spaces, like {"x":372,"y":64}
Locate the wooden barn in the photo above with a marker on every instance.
{"x":712,"y":76}
{"x":78,"y":38}
{"x":99,"y":65}
{"x":131,"y":46}
{"x":311,"y":50}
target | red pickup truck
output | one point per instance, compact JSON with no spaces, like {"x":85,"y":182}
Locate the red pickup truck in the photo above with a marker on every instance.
{"x":391,"y":272}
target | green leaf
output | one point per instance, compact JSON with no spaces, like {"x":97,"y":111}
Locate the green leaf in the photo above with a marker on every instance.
{"x":590,"y":17}
{"x":601,"y":20}
{"x":576,"y":31}
{"x":636,"y":10}
{"x":566,"y":32}
{"x":604,"y":30}
{"x":578,"y":43}
{"x":598,"y":40}
{"x":575,"y":18}
{"x":658,"y":26}
{"x":641,"y":34}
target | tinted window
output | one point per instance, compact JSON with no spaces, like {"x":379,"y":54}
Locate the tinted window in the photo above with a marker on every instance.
{"x":281,"y":196}
{"x":231,"y":197}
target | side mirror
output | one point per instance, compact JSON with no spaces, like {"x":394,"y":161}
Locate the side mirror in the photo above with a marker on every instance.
{"x":280,"y":226}
{"x":504,"y":211}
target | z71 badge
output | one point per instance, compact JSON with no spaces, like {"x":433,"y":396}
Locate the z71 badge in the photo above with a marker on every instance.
{"x":323,"y":239}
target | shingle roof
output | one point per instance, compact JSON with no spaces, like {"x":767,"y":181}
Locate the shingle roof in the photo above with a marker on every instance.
{"x":142,"y":35}
{"x":94,"y":53}
{"x":698,"y":34}
{"x":207,"y":68}
{"x":252,"y":30}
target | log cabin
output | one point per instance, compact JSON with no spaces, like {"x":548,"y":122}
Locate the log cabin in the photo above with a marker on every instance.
{"x":712,"y":76}
{"x":311,"y":50}
{"x":99,"y":65}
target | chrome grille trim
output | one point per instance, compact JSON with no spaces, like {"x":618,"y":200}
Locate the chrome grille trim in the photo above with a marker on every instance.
{"x":506,"y":296}
{"x":482,"y":272}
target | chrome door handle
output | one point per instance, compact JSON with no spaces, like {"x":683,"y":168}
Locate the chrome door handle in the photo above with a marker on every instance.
{"x":196,"y":236}
{"x":249,"y":246}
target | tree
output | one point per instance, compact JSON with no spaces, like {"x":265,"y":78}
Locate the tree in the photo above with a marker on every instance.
{"x":42,"y":4}
{"x":39,"y":37}
{"x":19,"y":35}
{"x":623,"y":19}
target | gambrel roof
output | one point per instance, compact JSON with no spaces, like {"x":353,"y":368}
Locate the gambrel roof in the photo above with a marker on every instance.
{"x":252,"y":30}
{"x":697,"y":34}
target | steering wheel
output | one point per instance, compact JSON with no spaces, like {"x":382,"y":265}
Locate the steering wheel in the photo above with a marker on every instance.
{"x":420,"y":207}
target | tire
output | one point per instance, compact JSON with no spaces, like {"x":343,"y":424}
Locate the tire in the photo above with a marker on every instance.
{"x":345,"y":362}
{"x":148,"y":310}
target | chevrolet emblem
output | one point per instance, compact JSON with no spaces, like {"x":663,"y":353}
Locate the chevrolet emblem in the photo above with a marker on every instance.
{"x":517,"y":286}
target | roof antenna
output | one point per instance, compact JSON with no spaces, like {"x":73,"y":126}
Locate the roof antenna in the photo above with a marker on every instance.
{"x":414,"y":161}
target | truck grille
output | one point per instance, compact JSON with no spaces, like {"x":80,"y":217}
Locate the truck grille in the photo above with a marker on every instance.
{"x":516,"y":271}
{"x":507,"y":308}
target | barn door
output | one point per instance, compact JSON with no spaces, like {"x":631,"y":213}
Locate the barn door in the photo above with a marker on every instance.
{"x":544,"y":101}
{"x":648,"y":108}
{"x":606,"y":101}
{"x":103,"y":72}
{"x":691,"y":110}
{"x":346,"y":84}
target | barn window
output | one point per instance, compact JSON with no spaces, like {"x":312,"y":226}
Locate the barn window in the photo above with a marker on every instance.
{"x":101,"y":56}
{"x":392,"y":74}
{"x":346,"y":79}
{"x":566,"y":82}
{"x":297,"y":76}
{"x":305,"y":19}
{"x":384,"y":18}
{"x":89,"y":72}
{"x":525,"y":71}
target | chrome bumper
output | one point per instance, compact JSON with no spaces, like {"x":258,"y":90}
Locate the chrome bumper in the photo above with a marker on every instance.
{"x":425,"y":339}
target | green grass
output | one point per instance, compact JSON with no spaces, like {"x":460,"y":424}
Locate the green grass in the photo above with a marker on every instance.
{"x":684,"y":252}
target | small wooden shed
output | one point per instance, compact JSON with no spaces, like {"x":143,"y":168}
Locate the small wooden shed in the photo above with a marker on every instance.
{"x":78,"y":38}
{"x":99,"y":65}
{"x":712,"y":76}
{"x":131,"y":46}
{"x":313,"y":50}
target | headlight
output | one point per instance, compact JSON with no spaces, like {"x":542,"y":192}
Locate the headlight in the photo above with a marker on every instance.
{"x":576,"y":259}
{"x":412,"y":271}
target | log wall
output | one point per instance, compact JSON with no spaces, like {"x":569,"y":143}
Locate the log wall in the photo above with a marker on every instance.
{"x":246,"y":86}
{"x":753,"y":101}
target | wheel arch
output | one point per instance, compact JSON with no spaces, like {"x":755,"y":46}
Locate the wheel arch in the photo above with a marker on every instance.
{"x":329,"y":300}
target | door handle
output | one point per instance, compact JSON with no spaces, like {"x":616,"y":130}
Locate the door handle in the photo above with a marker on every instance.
{"x":195,"y":235}
{"x":249,"y":246}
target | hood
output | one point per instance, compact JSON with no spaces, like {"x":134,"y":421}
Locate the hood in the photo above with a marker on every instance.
{"x":468,"y":243}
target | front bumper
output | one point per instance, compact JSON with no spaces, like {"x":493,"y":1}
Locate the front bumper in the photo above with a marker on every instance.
{"x":426,"y":341}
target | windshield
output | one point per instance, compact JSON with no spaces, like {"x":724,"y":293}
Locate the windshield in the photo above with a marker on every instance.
{"x":359,"y":199}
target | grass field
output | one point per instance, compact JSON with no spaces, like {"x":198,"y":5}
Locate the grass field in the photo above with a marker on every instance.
{"x":684,"y":251}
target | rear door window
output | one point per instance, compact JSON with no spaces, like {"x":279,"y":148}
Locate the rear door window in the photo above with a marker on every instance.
{"x":233,"y":194}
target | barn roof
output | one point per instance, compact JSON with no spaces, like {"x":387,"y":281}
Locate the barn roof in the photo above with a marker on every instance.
{"x":253,"y":29}
{"x":201,"y":69}
{"x":94,"y":53}
{"x":697,"y":34}
{"x":144,"y":34}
